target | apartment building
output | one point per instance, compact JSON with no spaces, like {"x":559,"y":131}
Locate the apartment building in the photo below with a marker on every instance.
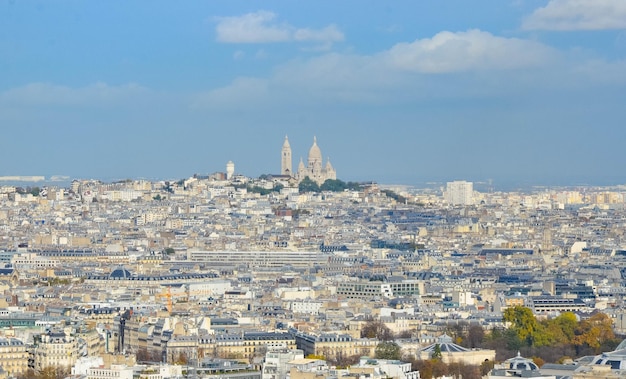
{"x":13,"y":356}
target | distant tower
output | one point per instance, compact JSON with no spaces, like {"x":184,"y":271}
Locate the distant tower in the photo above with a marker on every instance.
{"x":230,"y":170}
{"x":285,"y":162}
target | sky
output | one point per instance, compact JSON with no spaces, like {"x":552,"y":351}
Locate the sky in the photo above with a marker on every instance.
{"x":402,"y":92}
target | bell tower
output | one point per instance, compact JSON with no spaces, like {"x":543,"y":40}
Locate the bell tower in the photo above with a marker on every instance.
{"x":285,"y":162}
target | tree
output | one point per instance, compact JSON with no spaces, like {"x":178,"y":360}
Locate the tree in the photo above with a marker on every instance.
{"x":439,"y":368}
{"x":523,"y":322}
{"x":313,"y":356}
{"x":486,"y":366}
{"x":52,"y":372}
{"x":333,"y":185}
{"x":425,"y":368}
{"x":406,"y":333}
{"x":437,"y":352}
{"x":594,"y":331}
{"x":393,"y":195}
{"x":308,"y":185}
{"x":475,"y":336}
{"x":388,"y":350}
{"x":376,"y":329}
{"x":538,"y":361}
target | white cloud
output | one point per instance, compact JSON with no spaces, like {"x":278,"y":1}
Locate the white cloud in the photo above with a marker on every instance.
{"x":43,"y":94}
{"x":578,"y":15}
{"x":261,"y":27}
{"x":465,"y":51}
{"x":449,"y":65}
{"x":328,"y":34}
{"x":251,"y":28}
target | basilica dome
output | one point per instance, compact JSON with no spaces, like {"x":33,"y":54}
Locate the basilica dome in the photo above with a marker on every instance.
{"x":315,"y":154}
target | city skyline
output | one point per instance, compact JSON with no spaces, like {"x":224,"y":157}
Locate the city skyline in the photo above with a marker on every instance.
{"x":513,"y":92}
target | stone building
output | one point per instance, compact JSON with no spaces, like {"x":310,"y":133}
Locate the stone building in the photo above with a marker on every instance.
{"x":315,"y":168}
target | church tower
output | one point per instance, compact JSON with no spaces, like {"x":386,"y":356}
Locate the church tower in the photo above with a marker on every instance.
{"x":285,"y":163}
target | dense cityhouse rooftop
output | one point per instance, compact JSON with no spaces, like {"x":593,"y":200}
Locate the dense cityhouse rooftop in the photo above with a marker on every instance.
{"x":212,"y":268}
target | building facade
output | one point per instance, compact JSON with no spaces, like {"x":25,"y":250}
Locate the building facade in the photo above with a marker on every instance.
{"x":459,"y":192}
{"x":13,"y":356}
{"x":315,"y":169}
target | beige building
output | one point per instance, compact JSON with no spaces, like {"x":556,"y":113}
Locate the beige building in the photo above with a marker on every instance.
{"x":56,"y":349}
{"x":331,"y":346}
{"x":13,"y":356}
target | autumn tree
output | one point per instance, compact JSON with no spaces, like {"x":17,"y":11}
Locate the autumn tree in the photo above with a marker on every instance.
{"x":594,"y":331}
{"x":376,"y":329}
{"x":524,"y":323}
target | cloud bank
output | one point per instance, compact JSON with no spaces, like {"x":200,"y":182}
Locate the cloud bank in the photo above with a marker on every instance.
{"x":465,"y":51}
{"x":261,"y":27}
{"x":570,"y":15}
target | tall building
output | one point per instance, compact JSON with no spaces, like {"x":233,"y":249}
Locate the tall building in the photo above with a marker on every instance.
{"x":459,"y":192}
{"x":230,"y":170}
{"x":314,"y":170}
{"x":285,"y":163}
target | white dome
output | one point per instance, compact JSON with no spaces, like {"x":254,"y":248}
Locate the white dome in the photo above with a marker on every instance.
{"x":315,"y":154}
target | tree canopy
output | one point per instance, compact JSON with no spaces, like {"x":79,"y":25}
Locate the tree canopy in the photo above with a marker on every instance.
{"x":330,"y":185}
{"x":388,"y":350}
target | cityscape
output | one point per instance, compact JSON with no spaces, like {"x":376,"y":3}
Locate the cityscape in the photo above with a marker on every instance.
{"x":312,"y":190}
{"x":304,"y":275}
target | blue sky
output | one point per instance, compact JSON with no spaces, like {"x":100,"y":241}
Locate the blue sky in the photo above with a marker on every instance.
{"x":397,"y":92}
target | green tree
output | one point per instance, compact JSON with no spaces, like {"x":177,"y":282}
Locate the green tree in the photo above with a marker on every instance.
{"x":437,"y":352}
{"x":333,"y":185}
{"x":308,"y":185}
{"x":523,"y":322}
{"x":388,"y":350}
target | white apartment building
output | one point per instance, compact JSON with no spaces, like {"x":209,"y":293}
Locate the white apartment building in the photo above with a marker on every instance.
{"x":305,"y":307}
{"x":459,"y":193}
{"x":113,"y":372}
{"x":276,"y":365}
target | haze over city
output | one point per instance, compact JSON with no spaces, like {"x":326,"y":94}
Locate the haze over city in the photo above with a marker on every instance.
{"x":406,"y":92}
